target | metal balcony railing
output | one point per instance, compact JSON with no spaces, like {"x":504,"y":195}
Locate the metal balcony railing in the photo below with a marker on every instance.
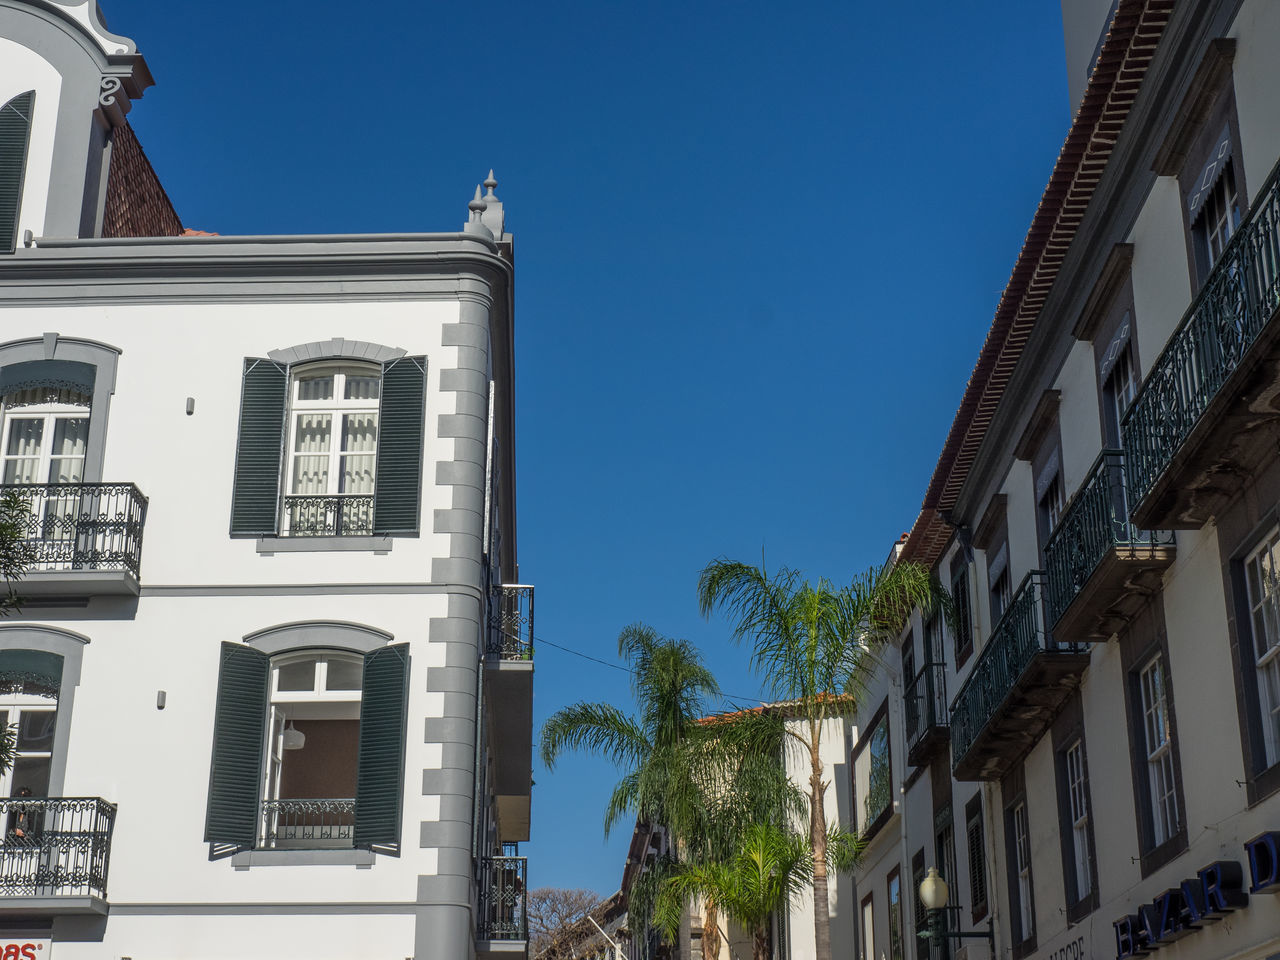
{"x":1209,"y":344}
{"x":925,"y":699}
{"x":1095,"y":522}
{"x":305,"y":824}
{"x":55,"y":847}
{"x":338,"y":515}
{"x":511,"y":622}
{"x":1016,"y":639}
{"x":82,"y":526}
{"x":502,"y":899}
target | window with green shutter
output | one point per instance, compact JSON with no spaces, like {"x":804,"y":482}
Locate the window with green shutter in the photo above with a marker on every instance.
{"x":397,"y":498}
{"x":380,"y":776}
{"x":344,"y":438}
{"x":255,"y":495}
{"x":15,"y":132}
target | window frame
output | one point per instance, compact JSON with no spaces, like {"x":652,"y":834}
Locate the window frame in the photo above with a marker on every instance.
{"x":1014,"y":793}
{"x":864,"y":744}
{"x":979,"y":900}
{"x":893,"y":907}
{"x":1144,"y":639}
{"x":1068,"y":732}
{"x":962,"y":599}
{"x":867,"y":927}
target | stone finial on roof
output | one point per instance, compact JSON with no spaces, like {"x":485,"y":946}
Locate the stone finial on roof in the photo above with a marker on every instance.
{"x":475,"y":223}
{"x":493,"y":216}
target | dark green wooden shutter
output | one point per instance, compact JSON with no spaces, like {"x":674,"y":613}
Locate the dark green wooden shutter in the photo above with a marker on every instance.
{"x":397,"y":496}
{"x":239,"y":734}
{"x":384,"y":701}
{"x":255,"y":495}
{"x":15,"y":130}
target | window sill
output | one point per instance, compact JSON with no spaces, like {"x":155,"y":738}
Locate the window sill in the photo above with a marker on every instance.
{"x":271,"y":545}
{"x":302,"y":858}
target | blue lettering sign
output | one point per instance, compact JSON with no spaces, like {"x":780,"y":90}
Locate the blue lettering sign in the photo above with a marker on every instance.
{"x":1264,"y":862}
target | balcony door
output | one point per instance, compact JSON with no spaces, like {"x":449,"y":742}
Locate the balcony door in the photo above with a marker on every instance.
{"x":45,"y":434}
{"x":313,"y":736}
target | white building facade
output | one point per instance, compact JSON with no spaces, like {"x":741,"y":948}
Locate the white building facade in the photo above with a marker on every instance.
{"x":272,"y":674}
{"x":1090,"y":755}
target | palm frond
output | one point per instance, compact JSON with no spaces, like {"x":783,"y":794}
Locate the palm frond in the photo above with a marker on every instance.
{"x":598,"y":728}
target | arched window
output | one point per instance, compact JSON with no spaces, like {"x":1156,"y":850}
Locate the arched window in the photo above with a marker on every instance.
{"x":350,"y":418}
{"x":15,"y":131}
{"x":333,"y":450}
{"x":45,"y":435}
{"x":309,"y":740}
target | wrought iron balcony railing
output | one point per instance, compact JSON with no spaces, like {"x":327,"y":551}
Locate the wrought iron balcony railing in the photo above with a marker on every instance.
{"x":306,"y":824}
{"x":511,"y":622}
{"x":1016,"y":639}
{"x":925,"y":699}
{"x":55,"y":847}
{"x":1209,"y":344}
{"x":82,"y":526}
{"x":339,"y":515}
{"x":1095,"y":522}
{"x":502,"y":899}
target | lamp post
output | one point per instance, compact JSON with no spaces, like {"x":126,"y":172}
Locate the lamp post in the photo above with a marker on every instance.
{"x":933,"y":894}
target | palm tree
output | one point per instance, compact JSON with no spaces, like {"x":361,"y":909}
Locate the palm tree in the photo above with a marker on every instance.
{"x":814,"y":643}
{"x":765,"y":875}
{"x":703,"y":782}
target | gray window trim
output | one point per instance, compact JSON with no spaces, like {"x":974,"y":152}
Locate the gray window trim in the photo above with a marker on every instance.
{"x":336,"y":349}
{"x":70,"y":646}
{"x":103,"y":357}
{"x":270,"y":545}
{"x":361,"y":859}
{"x":310,"y":634}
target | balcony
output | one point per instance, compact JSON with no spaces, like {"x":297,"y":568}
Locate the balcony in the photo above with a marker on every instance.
{"x":1198,"y":428}
{"x":502,"y":926}
{"x":509,"y":675}
{"x":340,"y":515}
{"x":1101,"y":568}
{"x":1015,"y":689}
{"x":54,"y":856}
{"x":84,"y":539}
{"x":307,"y":824}
{"x":925,"y":699}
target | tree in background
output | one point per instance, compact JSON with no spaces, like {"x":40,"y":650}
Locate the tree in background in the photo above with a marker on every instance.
{"x":703,"y":782}
{"x":553,"y":909}
{"x":814,"y":643}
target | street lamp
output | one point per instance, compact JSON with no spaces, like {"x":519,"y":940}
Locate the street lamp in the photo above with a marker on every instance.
{"x":933,"y":895}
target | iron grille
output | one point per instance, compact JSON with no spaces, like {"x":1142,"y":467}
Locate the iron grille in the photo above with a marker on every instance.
{"x":55,"y":847}
{"x":926,"y":701}
{"x":1018,"y":636}
{"x":82,"y":526}
{"x":1094,"y":523}
{"x":502,"y":904}
{"x":1209,"y":344}
{"x":511,"y":622}
{"x":306,"y":823}
{"x":343,"y":515}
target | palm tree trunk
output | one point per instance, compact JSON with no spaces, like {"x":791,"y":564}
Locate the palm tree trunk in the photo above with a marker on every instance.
{"x":710,"y":931}
{"x":760,"y":944}
{"x":818,"y":840}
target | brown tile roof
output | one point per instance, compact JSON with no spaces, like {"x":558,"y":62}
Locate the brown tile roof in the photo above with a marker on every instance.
{"x":137,"y":205}
{"x":1122,"y":64}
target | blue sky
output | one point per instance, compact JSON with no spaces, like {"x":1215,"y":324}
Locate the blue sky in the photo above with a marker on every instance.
{"x":758,"y":247}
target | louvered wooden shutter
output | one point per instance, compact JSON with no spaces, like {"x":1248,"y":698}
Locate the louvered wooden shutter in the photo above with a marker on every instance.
{"x":397,"y":497}
{"x":977,"y":865}
{"x":239,"y":734}
{"x":15,"y":131}
{"x":255,"y":494}
{"x":380,"y":776}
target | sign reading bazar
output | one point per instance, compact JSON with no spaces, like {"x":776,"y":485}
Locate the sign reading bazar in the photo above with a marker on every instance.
{"x":1214,"y":892}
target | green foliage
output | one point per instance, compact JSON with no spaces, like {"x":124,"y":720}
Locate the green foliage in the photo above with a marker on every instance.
{"x":764,"y":875}
{"x":16,"y":553}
